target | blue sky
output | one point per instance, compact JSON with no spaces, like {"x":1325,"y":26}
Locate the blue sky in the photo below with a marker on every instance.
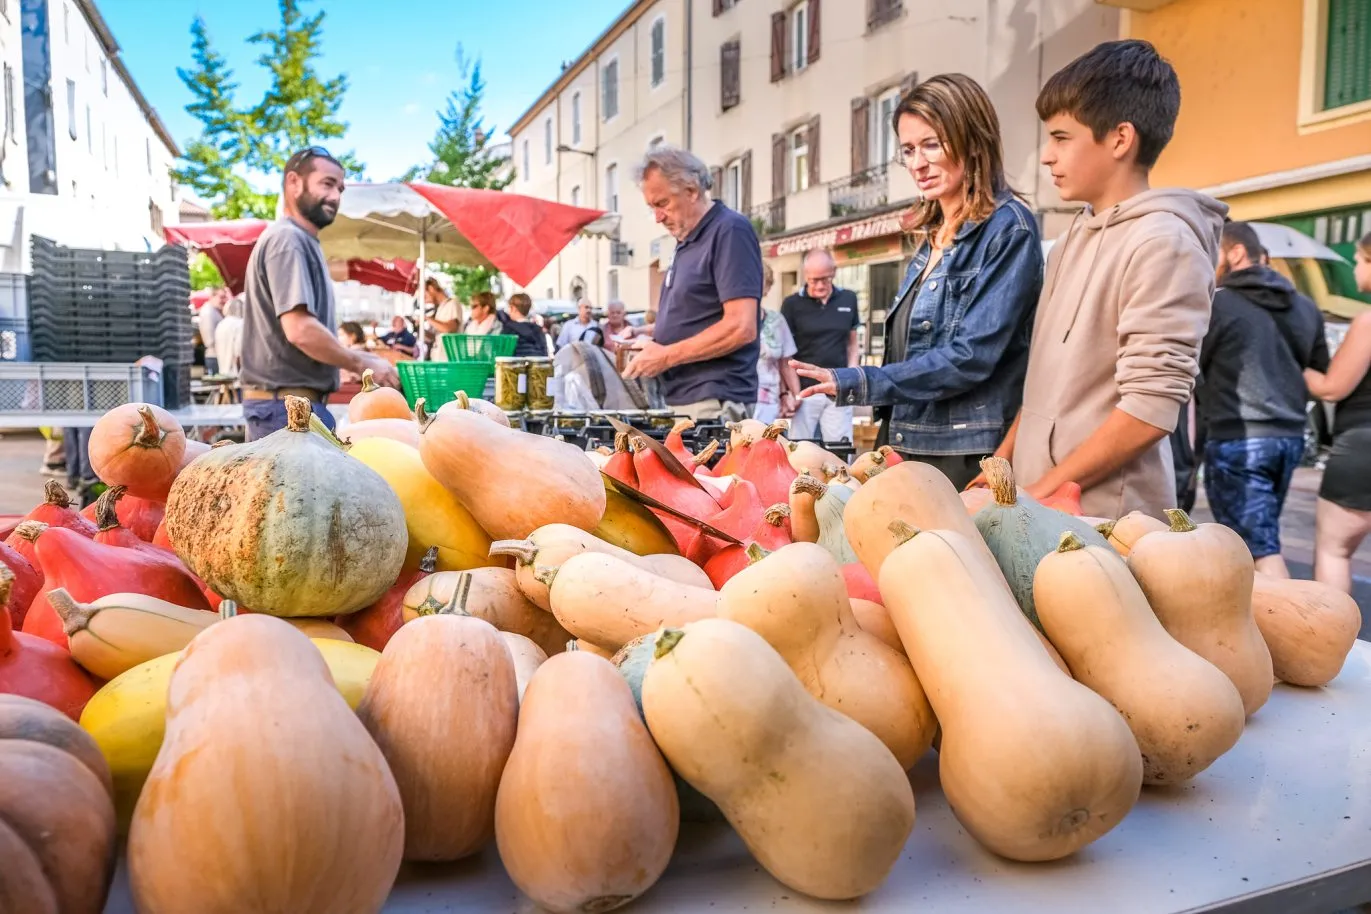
{"x":400,"y":58}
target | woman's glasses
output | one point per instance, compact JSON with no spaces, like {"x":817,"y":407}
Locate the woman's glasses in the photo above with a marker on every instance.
{"x":931,"y":150}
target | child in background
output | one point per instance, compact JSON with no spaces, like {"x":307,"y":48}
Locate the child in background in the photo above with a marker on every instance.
{"x":1127,"y":295}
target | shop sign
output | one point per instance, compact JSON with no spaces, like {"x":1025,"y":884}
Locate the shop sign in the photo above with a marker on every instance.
{"x":888,"y":224}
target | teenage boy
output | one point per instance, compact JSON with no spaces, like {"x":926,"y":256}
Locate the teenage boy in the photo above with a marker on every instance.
{"x":1127,"y":295}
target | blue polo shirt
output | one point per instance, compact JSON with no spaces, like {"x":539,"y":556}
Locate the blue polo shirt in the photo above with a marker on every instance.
{"x":720,"y":260}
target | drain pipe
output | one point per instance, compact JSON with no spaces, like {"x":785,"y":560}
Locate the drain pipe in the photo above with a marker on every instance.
{"x":689,"y":73}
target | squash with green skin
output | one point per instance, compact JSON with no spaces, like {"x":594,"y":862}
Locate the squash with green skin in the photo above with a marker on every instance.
{"x":1021,"y":532}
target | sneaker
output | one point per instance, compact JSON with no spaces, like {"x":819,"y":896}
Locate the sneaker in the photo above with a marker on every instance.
{"x":54,"y":469}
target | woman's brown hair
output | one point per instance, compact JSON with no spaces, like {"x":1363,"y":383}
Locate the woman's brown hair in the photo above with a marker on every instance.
{"x":962,"y":115}
{"x":484,"y":300}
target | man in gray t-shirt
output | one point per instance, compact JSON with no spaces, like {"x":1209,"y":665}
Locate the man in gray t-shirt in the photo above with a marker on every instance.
{"x":289,"y":320}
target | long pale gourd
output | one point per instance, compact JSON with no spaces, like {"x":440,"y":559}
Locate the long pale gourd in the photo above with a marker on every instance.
{"x":1034,"y":764}
{"x":1182,"y":710}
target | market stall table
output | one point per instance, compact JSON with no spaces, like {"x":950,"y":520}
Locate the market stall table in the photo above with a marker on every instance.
{"x":1280,"y":824}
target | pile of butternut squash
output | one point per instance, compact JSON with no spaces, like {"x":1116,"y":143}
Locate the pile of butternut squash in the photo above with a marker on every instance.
{"x":563,"y":656}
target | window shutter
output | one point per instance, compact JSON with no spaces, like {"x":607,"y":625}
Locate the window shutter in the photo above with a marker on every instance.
{"x":879,"y":12}
{"x":812,"y":137}
{"x":718,"y":7}
{"x":777,"y":47}
{"x":813,"y":50}
{"x":778,"y":166}
{"x":716,"y":182}
{"x":907,"y":84}
{"x":861,"y":133}
{"x":730,"y":73}
{"x":1347,"y":65}
{"x":746,"y":178}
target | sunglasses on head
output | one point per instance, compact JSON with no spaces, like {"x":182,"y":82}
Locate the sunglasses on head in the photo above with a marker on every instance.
{"x":309,"y":152}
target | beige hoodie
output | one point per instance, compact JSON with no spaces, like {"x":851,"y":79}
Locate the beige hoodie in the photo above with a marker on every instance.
{"x":1123,"y":310}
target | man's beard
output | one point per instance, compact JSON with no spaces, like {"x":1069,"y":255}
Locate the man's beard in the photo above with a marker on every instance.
{"x":319,"y":213}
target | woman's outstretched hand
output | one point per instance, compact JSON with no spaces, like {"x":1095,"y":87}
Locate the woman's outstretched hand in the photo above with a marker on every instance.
{"x":827,"y":379}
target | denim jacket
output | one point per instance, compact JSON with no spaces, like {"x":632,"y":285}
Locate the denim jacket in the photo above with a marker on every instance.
{"x":958,"y":385}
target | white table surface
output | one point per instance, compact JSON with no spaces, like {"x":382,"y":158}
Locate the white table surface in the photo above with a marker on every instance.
{"x":1280,"y":824}
{"x":200,"y":415}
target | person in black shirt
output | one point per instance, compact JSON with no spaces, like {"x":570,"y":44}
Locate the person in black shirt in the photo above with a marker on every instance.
{"x":824,"y":320}
{"x":532,"y":338}
{"x":400,"y":338}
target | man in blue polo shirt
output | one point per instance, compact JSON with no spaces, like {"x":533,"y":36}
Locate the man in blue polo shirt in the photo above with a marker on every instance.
{"x":704,"y":346}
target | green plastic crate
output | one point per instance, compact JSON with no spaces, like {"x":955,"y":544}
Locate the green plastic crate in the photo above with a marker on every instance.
{"x":438,"y":382}
{"x":461,"y":347}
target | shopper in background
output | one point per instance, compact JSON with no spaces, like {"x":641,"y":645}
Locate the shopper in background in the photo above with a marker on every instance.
{"x":518,"y":322}
{"x":351,"y":335}
{"x":778,"y":387}
{"x":1343,"y":515}
{"x":482,"y":321}
{"x":957,"y":338}
{"x":704,"y":343}
{"x":823,"y":320}
{"x":574,"y":331}
{"x":228,"y":338}
{"x":1262,"y":336}
{"x":211,"y":313}
{"x":400,"y":338}
{"x":289,"y":347}
{"x":617,"y":330}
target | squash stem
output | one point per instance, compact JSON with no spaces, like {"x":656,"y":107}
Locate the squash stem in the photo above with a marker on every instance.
{"x":777,"y":514}
{"x":666,"y":642}
{"x":228,"y":609}
{"x":523,"y":550}
{"x":1180,"y":521}
{"x":1106,"y":529}
{"x":755,"y":553}
{"x":149,"y":433}
{"x":75,"y":616}
{"x":369,"y":381}
{"x":804,"y":484}
{"x":620,"y":442}
{"x":903,"y":532}
{"x":707,"y":453}
{"x":463,"y":401}
{"x":31,"y":529}
{"x":298,"y":413}
{"x":429,"y":563}
{"x":1001,"y":478}
{"x":457,"y":606}
{"x":6,"y":621}
{"x":54,"y":494}
{"x":421,"y":415}
{"x":682,"y":425}
{"x":1069,"y":542}
{"x":106,"y":508}
{"x":773,"y":431}
{"x":876,"y":469}
{"x":545,"y":574}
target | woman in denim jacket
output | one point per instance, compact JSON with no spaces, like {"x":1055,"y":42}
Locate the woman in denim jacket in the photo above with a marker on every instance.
{"x":957,"y":337}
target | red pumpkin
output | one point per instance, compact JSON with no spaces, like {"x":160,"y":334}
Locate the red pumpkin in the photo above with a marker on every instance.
{"x":768,"y":467}
{"x":35,"y":669}
{"x":141,"y":516}
{"x":28,"y":581}
{"x":1066,"y":499}
{"x":90,"y":570}
{"x":770,"y":534}
{"x":860,"y":584}
{"x":376,"y":624}
{"x":56,"y":511}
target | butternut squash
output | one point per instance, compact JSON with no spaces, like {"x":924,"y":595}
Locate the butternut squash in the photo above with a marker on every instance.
{"x":912,"y":492}
{"x":557,"y":481}
{"x":578,"y":645}
{"x":1127,"y":530}
{"x":607,"y":601}
{"x":446,"y":746}
{"x":873,"y":618}
{"x":1198,"y":580}
{"x":819,"y":801}
{"x":1308,"y":627}
{"x":1034,"y":764}
{"x":586,"y":815}
{"x":489,"y":594}
{"x":322,"y":629}
{"x":527,"y":657}
{"x":1182,"y":710}
{"x":797,"y":600}
{"x":313,"y":821}
{"x":376,"y":402}
{"x":476,"y":405}
{"x":433,"y":516}
{"x":548,"y":547}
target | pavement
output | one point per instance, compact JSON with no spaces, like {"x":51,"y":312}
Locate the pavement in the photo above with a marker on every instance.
{"x":21,"y":487}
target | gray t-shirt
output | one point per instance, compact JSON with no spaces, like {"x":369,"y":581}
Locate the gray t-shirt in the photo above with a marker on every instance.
{"x":286,"y":270}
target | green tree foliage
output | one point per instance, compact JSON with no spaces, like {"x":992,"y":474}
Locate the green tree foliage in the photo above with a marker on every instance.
{"x":236,"y":161}
{"x":204,"y":274}
{"x":462,"y":157}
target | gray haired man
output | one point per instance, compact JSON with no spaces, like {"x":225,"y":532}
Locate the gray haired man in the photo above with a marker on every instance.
{"x":704,"y":345}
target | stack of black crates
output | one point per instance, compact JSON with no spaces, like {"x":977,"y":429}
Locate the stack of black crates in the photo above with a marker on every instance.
{"x":113,"y":306}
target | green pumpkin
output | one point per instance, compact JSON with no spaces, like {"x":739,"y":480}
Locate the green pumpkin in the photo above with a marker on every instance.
{"x":1021,"y":532}
{"x":632,"y":661}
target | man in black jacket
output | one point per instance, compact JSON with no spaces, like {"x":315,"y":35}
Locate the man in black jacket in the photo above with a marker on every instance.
{"x":1262,"y":335}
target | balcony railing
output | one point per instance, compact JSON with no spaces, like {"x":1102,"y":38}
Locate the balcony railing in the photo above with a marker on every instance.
{"x":769,"y":218}
{"x":859,"y":193}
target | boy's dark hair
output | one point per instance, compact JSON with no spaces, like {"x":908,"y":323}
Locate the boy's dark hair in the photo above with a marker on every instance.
{"x":1245,"y":235}
{"x":1114,"y":83}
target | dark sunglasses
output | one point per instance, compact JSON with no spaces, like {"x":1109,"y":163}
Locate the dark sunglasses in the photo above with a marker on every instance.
{"x":309,"y":152}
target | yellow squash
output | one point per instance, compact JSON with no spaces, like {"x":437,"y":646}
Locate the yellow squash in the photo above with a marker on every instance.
{"x":127,"y":717}
{"x":433,"y":516}
{"x":114,"y":634}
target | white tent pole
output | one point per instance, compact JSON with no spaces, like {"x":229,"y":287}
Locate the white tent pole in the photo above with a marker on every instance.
{"x":423,"y":268}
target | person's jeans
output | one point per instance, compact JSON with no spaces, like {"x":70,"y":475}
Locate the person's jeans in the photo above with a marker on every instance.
{"x":819,"y":414}
{"x":211,"y":365}
{"x":1246,"y":480}
{"x":266,"y":416}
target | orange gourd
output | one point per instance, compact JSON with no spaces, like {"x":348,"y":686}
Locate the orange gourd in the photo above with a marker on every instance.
{"x":1124,"y":533}
{"x":405,"y":431}
{"x":1309,"y":628}
{"x":489,"y":594}
{"x":138,"y":446}
{"x":141,"y":516}
{"x":36,"y":668}
{"x":376,"y":402}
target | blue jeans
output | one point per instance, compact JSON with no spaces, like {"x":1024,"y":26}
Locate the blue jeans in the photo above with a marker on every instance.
{"x":1246,"y":480}
{"x":267,"y":416}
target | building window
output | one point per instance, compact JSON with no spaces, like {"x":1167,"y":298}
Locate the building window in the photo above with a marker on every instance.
{"x":609,"y":90}
{"x":732,"y":191}
{"x":155,"y":217}
{"x":731,"y":74}
{"x":799,"y":37}
{"x":525,"y":156}
{"x":71,"y":108}
{"x":883,"y":139}
{"x":658,"y":52}
{"x":1347,"y":55}
{"x":547,"y":141}
{"x":612,"y":188}
{"x":612,"y":286}
{"x":799,"y":160}
{"x":87,"y":52}
{"x":66,"y":23}
{"x":880,"y":12}
{"x":104,"y":77}
{"x":576,"y":119}
{"x":5,"y":9}
{"x":148,"y":145}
